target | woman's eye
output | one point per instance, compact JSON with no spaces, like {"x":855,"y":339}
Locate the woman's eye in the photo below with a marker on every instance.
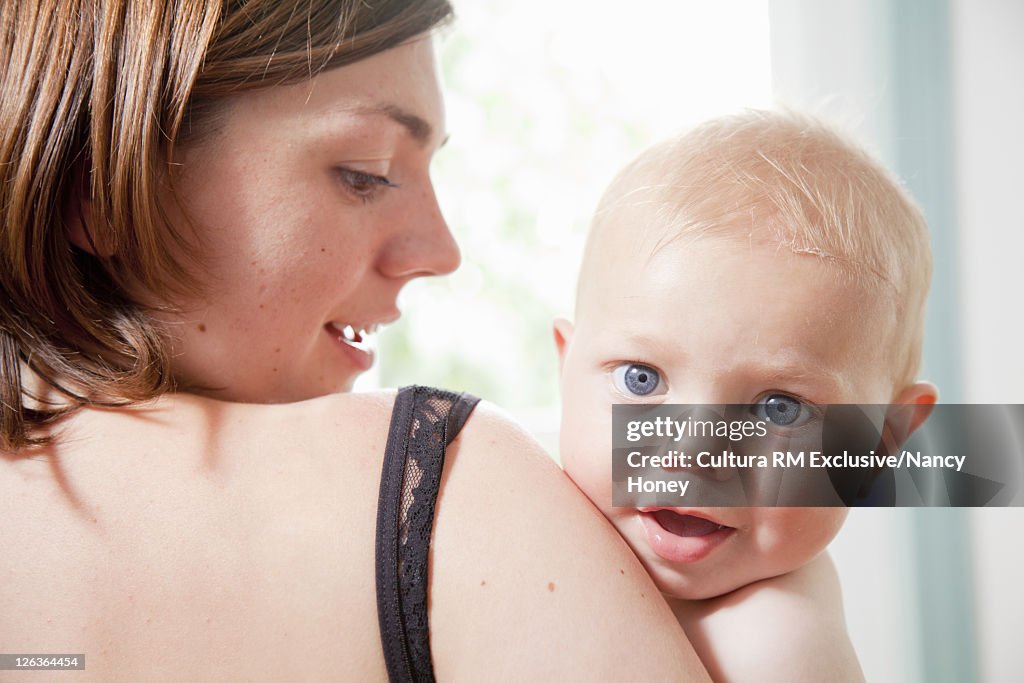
{"x":361,"y":184}
{"x":783,"y":410}
{"x":637,"y":379}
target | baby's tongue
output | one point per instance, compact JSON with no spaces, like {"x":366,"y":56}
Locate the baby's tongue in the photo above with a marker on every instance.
{"x":685,"y":525}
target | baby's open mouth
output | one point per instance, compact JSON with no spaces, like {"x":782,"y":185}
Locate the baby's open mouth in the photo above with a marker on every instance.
{"x":681,"y":535}
{"x":686,"y":525}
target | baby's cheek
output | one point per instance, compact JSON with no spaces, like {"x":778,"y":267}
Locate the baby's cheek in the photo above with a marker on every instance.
{"x":589,"y":464}
{"x":589,"y":474}
{"x":586,"y":438}
{"x":795,"y":535}
{"x":585,"y":450}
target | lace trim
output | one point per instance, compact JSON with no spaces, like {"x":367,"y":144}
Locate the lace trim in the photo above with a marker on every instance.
{"x":423,"y":423}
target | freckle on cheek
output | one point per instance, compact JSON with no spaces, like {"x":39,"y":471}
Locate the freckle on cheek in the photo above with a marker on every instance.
{"x":201,"y":327}
{"x":551,"y":587}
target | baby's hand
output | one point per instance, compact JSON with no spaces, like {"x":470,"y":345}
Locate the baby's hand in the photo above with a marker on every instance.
{"x":788,"y":628}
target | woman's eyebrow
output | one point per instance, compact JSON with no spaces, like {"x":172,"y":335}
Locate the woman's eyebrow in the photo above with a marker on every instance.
{"x":418,"y":128}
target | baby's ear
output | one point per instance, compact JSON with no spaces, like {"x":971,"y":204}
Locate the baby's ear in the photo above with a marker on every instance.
{"x":563,"y":335}
{"x":908,"y":411}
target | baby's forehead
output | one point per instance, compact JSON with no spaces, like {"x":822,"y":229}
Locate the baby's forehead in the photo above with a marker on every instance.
{"x":720,"y":312}
{"x":633,"y":246}
{"x":647,"y":209}
{"x":642,"y":226}
{"x":747,"y":277}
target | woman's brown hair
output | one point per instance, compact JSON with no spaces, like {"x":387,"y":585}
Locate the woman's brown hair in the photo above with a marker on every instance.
{"x":94,"y":95}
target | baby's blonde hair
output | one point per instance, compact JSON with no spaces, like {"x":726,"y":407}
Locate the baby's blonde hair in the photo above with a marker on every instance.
{"x":797,"y":182}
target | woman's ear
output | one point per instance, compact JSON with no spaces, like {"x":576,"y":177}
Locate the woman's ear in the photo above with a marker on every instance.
{"x":563,"y":335}
{"x":907,"y":412}
{"x":78,"y":218}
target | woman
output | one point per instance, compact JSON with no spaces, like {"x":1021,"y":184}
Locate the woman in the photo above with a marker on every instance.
{"x":207,"y":207}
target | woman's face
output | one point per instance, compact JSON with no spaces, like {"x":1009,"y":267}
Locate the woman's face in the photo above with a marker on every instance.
{"x":314,"y":206}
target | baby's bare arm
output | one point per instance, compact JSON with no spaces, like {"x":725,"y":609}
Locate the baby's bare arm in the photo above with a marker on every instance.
{"x":788,"y":628}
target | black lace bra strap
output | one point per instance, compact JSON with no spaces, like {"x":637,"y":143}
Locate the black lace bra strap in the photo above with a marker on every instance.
{"x":424,"y":421}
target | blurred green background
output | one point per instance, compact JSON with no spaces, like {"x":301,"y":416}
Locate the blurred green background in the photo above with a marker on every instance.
{"x":545,"y":102}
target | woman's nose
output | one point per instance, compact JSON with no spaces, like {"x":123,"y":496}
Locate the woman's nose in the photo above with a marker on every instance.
{"x":421,"y":243}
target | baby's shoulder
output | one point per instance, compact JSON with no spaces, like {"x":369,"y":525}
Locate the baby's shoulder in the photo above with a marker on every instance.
{"x":787,"y":628}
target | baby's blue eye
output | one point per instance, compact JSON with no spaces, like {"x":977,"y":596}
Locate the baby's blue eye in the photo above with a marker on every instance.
{"x":782,"y":410}
{"x":637,"y":379}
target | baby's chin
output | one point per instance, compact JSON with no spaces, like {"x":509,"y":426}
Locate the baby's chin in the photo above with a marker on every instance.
{"x":693,"y":591}
{"x":693,"y":585}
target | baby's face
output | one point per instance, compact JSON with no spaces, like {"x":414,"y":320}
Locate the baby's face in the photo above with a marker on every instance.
{"x":714,"y":320}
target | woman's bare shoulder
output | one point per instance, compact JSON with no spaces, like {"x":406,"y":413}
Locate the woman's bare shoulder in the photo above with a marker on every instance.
{"x":269,"y":514}
{"x":529,"y":578}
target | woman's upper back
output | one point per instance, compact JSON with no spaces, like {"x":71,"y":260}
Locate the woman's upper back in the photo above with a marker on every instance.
{"x":198,"y":533}
{"x":198,"y":539}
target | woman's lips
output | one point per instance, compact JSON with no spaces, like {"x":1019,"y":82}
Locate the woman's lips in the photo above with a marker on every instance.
{"x":682,"y":537}
{"x":357,"y":337}
{"x":358,"y":353}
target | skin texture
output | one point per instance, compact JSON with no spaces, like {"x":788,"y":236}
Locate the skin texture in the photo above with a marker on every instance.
{"x":194,"y":538}
{"x":204,"y":540}
{"x":723,"y":320}
{"x":787,"y":628}
{"x":302,"y":241}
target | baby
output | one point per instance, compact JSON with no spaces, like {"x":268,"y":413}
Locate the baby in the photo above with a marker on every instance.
{"x":762,"y":260}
